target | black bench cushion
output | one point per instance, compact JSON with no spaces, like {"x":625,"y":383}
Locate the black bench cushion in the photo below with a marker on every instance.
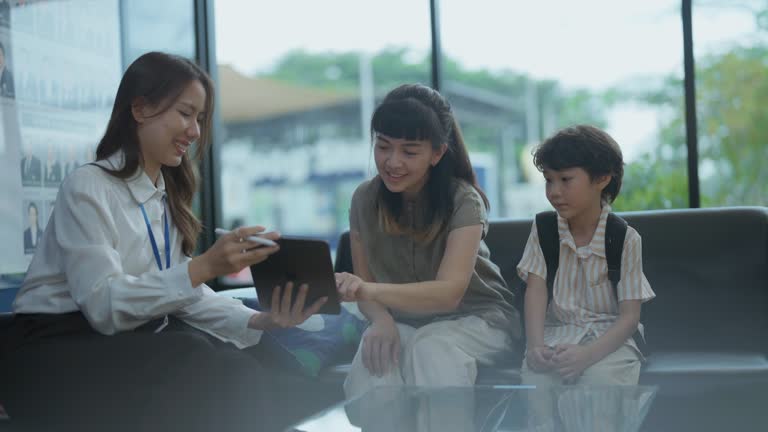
{"x":5,"y":319}
{"x":709,"y":269}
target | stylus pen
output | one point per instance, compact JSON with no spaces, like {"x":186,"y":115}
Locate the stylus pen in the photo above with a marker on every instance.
{"x":255,"y":239}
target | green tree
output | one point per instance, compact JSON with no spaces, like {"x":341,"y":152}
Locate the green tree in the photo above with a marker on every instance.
{"x":658,"y":179}
{"x":341,"y":70}
{"x":731,"y":88}
{"x":733,"y":126}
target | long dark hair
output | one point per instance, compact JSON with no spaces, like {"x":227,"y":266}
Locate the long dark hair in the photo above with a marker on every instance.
{"x":417,"y":112}
{"x":158,"y":79}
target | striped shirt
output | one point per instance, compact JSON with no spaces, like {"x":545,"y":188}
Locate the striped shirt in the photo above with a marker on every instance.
{"x":584,"y":304}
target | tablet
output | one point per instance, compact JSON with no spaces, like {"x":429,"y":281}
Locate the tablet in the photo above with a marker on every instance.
{"x":301,"y":261}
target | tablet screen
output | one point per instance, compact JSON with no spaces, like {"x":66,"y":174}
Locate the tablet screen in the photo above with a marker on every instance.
{"x":301,"y":261}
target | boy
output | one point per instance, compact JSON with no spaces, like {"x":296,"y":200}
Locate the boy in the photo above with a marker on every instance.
{"x":584,"y":333}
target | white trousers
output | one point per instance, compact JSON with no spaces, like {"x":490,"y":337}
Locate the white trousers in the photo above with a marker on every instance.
{"x":443,"y":353}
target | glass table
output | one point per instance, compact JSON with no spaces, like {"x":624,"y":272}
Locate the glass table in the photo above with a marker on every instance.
{"x":493,"y":408}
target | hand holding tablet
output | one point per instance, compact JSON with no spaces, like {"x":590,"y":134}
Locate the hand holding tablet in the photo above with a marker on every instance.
{"x":286,"y":310}
{"x":301,"y":262}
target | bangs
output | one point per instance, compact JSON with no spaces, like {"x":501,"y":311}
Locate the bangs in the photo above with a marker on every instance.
{"x":407,"y":119}
{"x":560,"y":154}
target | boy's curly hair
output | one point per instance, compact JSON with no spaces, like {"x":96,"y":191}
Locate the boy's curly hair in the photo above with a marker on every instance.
{"x":586,"y":147}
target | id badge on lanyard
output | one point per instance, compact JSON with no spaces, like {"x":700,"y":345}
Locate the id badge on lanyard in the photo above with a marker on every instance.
{"x":155,"y":249}
{"x":165,"y":237}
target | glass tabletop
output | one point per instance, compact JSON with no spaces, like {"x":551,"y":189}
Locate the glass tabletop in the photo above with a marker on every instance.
{"x":492,"y":408}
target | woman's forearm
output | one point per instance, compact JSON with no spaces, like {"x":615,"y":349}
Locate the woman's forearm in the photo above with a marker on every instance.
{"x":373,"y":311}
{"x":420,"y":297}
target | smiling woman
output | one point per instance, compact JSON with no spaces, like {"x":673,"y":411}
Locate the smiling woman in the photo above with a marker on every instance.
{"x":150,"y":112}
{"x":113,"y":292}
{"x":422,"y":272}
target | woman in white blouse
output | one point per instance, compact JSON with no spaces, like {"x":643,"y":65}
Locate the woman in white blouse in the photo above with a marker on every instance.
{"x":113,"y":299}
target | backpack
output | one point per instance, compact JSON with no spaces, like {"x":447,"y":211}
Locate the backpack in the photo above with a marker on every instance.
{"x":615,"y":232}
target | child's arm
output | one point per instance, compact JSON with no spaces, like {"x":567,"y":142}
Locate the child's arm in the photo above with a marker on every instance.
{"x":535,"y":310}
{"x":619,"y":332}
{"x":538,"y":354}
{"x":440,"y":295}
{"x":572,"y":360}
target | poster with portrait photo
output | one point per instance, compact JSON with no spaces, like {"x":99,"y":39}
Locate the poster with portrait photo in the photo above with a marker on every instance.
{"x":65,"y":67}
{"x":11,"y":219}
{"x":31,"y":164}
{"x":33,"y":225}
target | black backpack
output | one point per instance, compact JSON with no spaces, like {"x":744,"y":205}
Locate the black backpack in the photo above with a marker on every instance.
{"x":549,"y":240}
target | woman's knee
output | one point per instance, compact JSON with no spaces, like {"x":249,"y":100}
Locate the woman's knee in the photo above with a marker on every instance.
{"x":427,"y":346}
{"x":436,"y":360}
{"x":430,"y":342}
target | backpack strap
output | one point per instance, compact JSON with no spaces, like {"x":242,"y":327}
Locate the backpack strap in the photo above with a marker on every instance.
{"x":615,"y":233}
{"x":549,"y":241}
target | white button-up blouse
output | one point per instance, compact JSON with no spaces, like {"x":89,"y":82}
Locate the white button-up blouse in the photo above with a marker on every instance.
{"x":96,"y":257}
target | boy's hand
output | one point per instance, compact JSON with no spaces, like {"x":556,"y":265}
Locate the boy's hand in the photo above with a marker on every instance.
{"x":539,"y":358}
{"x":571,"y":360}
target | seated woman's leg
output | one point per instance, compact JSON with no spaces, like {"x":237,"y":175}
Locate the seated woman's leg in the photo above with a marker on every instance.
{"x":91,"y":381}
{"x":179,"y":378}
{"x":225,"y":388}
{"x":360,"y":379}
{"x":446,"y":353}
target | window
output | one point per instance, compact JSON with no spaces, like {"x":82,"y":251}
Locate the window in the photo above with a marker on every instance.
{"x":297,"y":91}
{"x":517,"y":73}
{"x":731,"y":48}
{"x":150,"y":25}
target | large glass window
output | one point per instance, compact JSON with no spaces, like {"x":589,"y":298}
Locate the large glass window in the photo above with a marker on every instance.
{"x":151,"y":25}
{"x":517,"y":73}
{"x":298,"y":84}
{"x":730,"y":42}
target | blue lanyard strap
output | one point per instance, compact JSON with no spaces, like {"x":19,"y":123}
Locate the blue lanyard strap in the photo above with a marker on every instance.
{"x":165,"y":236}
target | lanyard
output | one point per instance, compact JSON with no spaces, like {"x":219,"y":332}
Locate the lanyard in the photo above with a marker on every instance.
{"x":165,"y":236}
